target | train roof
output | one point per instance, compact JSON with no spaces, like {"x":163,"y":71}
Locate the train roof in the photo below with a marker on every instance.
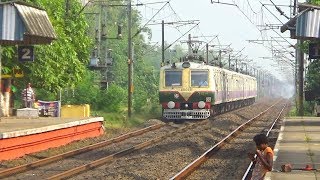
{"x":201,"y":65}
{"x":193,"y":65}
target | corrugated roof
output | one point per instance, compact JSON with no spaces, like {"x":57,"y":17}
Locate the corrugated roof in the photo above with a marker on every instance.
{"x":308,"y":24}
{"x":36,"y":21}
{"x":24,"y":24}
{"x":11,"y":25}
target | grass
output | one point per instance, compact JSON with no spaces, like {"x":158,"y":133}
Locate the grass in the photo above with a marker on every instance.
{"x":293,"y":112}
{"x":307,"y":111}
{"x":120,"y":120}
{"x":307,"y":139}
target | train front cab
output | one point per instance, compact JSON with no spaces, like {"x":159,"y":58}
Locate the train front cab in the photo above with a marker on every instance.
{"x":186,"y":92}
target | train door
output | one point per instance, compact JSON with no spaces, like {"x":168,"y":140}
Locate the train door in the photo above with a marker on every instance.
{"x":224,"y":81}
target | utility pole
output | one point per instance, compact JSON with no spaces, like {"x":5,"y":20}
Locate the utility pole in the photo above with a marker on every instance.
{"x":207,"y":53}
{"x":162,"y":42}
{"x":300,"y":78}
{"x":103,"y":47}
{"x":130,"y":61}
{"x":299,"y":62}
{"x":236,"y":65}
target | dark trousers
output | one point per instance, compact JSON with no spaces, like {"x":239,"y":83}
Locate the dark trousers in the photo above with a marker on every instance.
{"x":28,"y":104}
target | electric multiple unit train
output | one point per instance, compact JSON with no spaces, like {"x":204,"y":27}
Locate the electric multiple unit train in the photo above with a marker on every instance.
{"x":195,"y":90}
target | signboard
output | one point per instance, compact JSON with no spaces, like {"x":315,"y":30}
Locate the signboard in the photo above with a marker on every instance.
{"x":48,"y":108}
{"x":16,"y":72}
{"x":25,"y":53}
{"x":314,"y":51}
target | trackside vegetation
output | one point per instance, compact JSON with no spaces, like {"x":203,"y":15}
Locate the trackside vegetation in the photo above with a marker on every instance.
{"x":60,"y":70}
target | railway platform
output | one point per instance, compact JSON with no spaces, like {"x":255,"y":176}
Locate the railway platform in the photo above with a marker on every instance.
{"x":298,"y":144}
{"x":21,"y":136}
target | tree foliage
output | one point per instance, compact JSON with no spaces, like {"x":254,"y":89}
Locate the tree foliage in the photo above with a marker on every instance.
{"x":112,"y":100}
{"x":62,"y":63}
{"x":315,"y":2}
{"x":313,"y":76}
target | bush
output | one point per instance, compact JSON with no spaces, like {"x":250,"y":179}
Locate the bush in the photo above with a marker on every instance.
{"x":112,"y":99}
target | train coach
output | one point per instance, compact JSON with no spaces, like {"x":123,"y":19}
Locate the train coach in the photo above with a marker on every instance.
{"x":195,"y":90}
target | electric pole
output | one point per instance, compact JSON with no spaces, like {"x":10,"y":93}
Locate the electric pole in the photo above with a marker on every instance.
{"x":162,"y":43}
{"x":300,"y":63}
{"x":130,"y":61}
{"x":300,"y":77}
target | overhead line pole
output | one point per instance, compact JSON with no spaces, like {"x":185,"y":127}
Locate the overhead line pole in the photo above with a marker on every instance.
{"x":300,"y":64}
{"x":162,"y":42}
{"x":130,"y":61}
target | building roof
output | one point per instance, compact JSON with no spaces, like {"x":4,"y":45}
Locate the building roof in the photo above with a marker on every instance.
{"x":305,"y":25}
{"x":23,"y":24}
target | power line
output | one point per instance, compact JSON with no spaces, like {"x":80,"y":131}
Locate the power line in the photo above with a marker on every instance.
{"x":139,"y":30}
{"x":280,"y":11}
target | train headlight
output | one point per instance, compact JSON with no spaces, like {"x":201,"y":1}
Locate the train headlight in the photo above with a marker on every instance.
{"x":185,"y":64}
{"x":201,"y":104}
{"x":171,"y":104}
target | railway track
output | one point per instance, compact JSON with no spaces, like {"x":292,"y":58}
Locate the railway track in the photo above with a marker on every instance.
{"x":166,"y":158}
{"x":58,"y":168}
{"x":31,"y":166}
{"x":208,"y":165}
{"x":43,"y":168}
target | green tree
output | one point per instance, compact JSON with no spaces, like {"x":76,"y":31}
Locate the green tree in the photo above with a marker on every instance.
{"x":85,"y":92}
{"x":313,"y":76}
{"x":62,"y":63}
{"x":315,"y":2}
{"x":112,"y":100}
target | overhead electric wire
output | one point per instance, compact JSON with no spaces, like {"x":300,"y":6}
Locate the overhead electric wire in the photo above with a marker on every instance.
{"x":182,"y":36}
{"x":251,"y":7}
{"x":278,"y":9}
{"x":271,"y":13}
{"x":139,"y":30}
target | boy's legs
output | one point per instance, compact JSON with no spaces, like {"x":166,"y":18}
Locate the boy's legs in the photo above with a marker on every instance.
{"x":29,"y":104}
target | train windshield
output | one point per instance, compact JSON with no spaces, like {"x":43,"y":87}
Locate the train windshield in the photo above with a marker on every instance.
{"x":199,"y":78}
{"x":173,"y":78}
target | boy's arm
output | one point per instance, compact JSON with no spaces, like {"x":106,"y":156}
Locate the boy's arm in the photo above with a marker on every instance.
{"x":33,"y":95}
{"x":268,"y":162}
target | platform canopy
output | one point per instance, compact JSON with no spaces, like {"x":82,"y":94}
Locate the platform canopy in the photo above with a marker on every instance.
{"x":23,"y":24}
{"x":306,"y":24}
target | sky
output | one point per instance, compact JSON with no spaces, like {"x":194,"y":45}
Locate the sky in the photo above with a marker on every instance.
{"x":233,"y":25}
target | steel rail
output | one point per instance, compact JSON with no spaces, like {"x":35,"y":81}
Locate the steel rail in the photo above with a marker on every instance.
{"x":119,"y":154}
{"x":245,"y":176}
{"x":29,"y":166}
{"x":205,"y":156}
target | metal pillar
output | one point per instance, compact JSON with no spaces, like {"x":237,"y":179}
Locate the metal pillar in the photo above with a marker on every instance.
{"x":130,"y":61}
{"x":207,"y":53}
{"x":162,"y":42}
{"x":300,"y":78}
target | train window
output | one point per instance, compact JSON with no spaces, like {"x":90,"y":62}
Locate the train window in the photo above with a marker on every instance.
{"x":199,"y":78}
{"x":173,"y":78}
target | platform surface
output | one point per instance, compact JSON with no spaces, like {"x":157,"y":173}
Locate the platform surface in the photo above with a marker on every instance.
{"x":21,"y":136}
{"x":298,"y":144}
{"x":13,"y":127}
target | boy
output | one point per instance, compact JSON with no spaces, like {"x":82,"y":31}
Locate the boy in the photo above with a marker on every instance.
{"x":28,"y":96}
{"x":264,"y":159}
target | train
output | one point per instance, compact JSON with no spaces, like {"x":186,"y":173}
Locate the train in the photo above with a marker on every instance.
{"x":197,"y":90}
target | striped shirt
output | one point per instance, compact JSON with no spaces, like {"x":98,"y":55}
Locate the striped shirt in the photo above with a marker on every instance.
{"x":27,"y":94}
